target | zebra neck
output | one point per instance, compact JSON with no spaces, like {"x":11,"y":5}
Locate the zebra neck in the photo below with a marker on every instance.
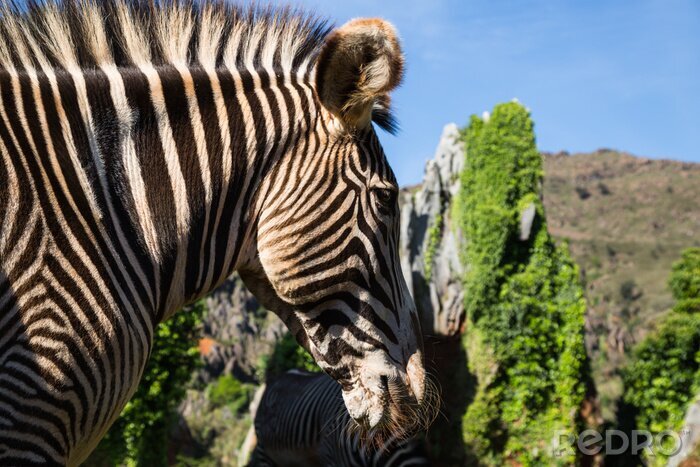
{"x":210,"y":138}
{"x":157,"y":171}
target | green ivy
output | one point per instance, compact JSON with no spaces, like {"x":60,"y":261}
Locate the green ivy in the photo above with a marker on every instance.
{"x":434,"y":235}
{"x":524,"y":300}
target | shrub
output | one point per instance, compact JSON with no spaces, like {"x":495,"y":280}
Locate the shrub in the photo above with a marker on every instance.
{"x":689,"y":305}
{"x":227,"y":390}
{"x":629,"y":290}
{"x":287,"y":355}
{"x":663,"y":373}
{"x":685,"y":276}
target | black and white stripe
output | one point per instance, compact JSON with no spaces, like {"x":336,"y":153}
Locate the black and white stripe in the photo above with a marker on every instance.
{"x":301,"y":420}
{"x":147,"y":150}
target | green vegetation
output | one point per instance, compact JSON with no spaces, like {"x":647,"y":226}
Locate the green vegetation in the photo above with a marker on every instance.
{"x":227,"y":390}
{"x":140,"y":434}
{"x":218,"y":422}
{"x":287,"y":355}
{"x":685,"y":282}
{"x":663,"y":375}
{"x":524,"y":302}
{"x":220,"y":425}
{"x":434,"y":234}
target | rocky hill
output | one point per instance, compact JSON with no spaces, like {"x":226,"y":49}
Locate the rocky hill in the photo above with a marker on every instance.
{"x":626,"y":219}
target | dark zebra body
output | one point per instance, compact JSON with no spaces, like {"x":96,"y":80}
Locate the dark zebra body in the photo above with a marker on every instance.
{"x":149,"y":149}
{"x":301,"y":421}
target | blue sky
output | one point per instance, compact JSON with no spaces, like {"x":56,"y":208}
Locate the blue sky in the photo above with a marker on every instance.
{"x":616,"y":74}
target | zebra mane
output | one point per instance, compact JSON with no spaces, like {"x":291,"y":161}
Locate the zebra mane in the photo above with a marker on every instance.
{"x":87,"y":34}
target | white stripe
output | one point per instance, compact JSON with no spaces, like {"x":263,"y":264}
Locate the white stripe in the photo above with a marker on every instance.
{"x":172,"y":160}
{"x":12,"y":207}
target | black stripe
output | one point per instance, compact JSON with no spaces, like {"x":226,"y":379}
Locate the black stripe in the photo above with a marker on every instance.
{"x":183,"y":135}
{"x":214,"y":148}
{"x":154,"y":170}
{"x":109,"y":139}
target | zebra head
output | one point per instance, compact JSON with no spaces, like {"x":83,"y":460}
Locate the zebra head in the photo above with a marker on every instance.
{"x":328,"y":234}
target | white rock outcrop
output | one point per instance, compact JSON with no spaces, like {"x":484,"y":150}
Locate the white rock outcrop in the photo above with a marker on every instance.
{"x":430,"y":240}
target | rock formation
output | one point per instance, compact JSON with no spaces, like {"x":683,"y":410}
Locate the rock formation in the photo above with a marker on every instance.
{"x":237,"y":332}
{"x":429,"y":239}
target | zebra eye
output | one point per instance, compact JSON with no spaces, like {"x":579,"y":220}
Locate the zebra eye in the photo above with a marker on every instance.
{"x":386,"y":197}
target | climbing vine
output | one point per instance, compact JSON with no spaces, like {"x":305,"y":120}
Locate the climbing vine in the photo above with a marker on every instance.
{"x":434,"y":235}
{"x":523,"y":298}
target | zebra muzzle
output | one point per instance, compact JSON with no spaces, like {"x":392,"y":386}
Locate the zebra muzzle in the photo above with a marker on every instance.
{"x":415,"y":374}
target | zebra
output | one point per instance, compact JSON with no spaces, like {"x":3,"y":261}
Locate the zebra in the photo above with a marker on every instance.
{"x":148,"y":149}
{"x":301,"y":420}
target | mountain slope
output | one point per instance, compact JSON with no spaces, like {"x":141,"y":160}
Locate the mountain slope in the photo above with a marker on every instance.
{"x":626,"y":220}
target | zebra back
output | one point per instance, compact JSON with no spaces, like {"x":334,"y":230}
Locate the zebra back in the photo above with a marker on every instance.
{"x":302,"y":420}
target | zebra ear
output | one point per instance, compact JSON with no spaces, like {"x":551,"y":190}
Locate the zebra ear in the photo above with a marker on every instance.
{"x":360,"y":63}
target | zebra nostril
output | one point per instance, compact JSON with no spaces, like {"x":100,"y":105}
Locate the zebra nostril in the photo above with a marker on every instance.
{"x":385,"y":382}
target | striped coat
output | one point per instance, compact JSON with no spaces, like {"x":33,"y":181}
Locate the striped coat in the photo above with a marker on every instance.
{"x":149,"y":149}
{"x":301,"y":421}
